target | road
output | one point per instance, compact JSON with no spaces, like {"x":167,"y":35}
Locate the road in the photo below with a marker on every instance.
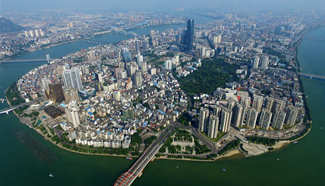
{"x":137,"y":168}
{"x":7,"y":110}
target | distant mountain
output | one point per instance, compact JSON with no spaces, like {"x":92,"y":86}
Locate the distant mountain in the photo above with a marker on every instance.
{"x":7,"y":26}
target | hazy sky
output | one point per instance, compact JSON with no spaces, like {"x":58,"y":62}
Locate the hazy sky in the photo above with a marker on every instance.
{"x":159,"y":4}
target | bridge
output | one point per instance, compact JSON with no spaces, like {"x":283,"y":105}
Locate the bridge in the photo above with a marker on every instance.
{"x":7,"y":110}
{"x":23,"y":60}
{"x":46,"y":59}
{"x":137,"y":168}
{"x":312,"y":76}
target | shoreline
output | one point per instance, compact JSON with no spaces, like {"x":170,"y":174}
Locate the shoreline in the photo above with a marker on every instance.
{"x":86,"y":38}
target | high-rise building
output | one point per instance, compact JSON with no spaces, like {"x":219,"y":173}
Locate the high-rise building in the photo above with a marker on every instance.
{"x":188,"y":36}
{"x":225,"y":120}
{"x":72,"y":113}
{"x":139,"y":59}
{"x":168,"y":65}
{"x":132,"y":67}
{"x":55,"y":93}
{"x":269,"y":103}
{"x":217,"y":39}
{"x":265,"y":119}
{"x":292,"y":115}
{"x":258,"y":102}
{"x":213,"y":126}
{"x":144,"y":67}
{"x":237,"y":115}
{"x":278,"y":120}
{"x":251,"y":118}
{"x":72,"y":78}
{"x":127,"y":57}
{"x":265,"y":62}
{"x":204,"y":114}
{"x":246,"y":101}
{"x":45,"y":84}
{"x":71,"y":95}
{"x":278,"y":105}
{"x":256,"y":62}
{"x":138,"y":79}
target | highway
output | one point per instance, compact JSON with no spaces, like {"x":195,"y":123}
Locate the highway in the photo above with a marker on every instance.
{"x":127,"y":178}
{"x":206,"y":141}
{"x":137,"y":168}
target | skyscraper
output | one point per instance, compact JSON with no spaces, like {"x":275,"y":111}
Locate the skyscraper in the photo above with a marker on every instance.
{"x":71,"y":95}
{"x":55,"y":93}
{"x":72,"y":78}
{"x":292,"y":115}
{"x":256,"y":62}
{"x":168,"y":65}
{"x":225,"y":120}
{"x":213,"y":126}
{"x":278,"y":120}
{"x":204,"y":114}
{"x":188,"y":36}
{"x":269,"y":103}
{"x":127,"y":57}
{"x":139,"y":59}
{"x":251,"y":118}
{"x":265,"y":119}
{"x":265,"y":62}
{"x":138,"y":79}
{"x":237,"y":115}
{"x":258,"y":102}
{"x":45,"y":84}
{"x":72,"y":112}
{"x":278,"y":105}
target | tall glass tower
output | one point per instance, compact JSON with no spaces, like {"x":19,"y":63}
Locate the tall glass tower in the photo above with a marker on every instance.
{"x":188,"y":36}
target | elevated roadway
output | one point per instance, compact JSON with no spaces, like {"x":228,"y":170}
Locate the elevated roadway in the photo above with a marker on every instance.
{"x":137,"y":168}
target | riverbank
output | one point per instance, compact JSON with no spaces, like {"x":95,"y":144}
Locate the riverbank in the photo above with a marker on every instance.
{"x":86,"y":38}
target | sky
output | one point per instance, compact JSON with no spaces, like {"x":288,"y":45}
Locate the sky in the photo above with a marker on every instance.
{"x":16,"y":5}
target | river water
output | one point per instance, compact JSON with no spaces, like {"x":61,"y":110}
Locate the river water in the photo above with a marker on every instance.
{"x":26,"y":158}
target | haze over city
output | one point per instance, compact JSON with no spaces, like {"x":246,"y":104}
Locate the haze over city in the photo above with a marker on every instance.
{"x":236,"y":5}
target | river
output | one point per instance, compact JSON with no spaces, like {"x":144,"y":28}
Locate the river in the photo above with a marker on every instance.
{"x":27,"y":159}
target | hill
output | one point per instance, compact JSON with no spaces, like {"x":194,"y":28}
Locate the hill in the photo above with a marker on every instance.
{"x":7,"y":26}
{"x":214,"y":73}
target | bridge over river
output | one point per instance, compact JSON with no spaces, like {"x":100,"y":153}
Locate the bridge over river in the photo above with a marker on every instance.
{"x":24,"y":60}
{"x":136,"y":169}
{"x":312,"y":76}
{"x":12,"y":108}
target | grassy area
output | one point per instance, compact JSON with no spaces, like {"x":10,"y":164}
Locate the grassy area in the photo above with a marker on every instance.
{"x":32,"y":115}
{"x":232,"y":145}
{"x":183,"y":135}
{"x":200,"y":149}
{"x":214,"y":73}
{"x":149,"y":140}
{"x":184,"y":119}
{"x":219,"y":136}
{"x":13,"y":95}
{"x":261,"y":140}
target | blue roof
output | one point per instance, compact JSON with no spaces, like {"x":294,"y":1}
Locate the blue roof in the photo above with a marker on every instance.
{"x":161,"y":112}
{"x":63,"y":105}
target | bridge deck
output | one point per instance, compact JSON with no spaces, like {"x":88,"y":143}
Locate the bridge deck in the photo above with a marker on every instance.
{"x":313,"y":76}
{"x":136,"y":169}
